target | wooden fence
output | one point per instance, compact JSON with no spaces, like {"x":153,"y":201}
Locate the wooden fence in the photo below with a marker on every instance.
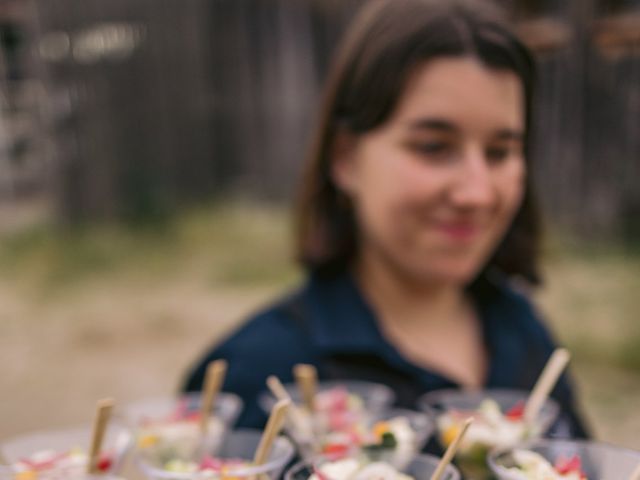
{"x":210,"y":97}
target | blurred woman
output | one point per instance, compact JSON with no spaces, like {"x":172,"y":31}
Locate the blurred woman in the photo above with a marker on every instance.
{"x":416,"y":218}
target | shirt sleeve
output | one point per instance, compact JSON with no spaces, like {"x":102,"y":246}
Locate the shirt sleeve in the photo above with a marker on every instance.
{"x":541,"y":345}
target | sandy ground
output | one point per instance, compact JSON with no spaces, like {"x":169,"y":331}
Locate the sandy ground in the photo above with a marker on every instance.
{"x":131,"y":341}
{"x":111,"y":343}
{"x":134,"y":336}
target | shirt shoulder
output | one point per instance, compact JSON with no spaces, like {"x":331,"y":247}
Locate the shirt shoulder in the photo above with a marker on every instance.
{"x":516,"y":313}
{"x":265,"y":344}
{"x":267,"y":331}
{"x":270,"y":342}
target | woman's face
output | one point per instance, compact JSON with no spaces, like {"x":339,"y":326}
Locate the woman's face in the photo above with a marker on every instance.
{"x":435,"y":187}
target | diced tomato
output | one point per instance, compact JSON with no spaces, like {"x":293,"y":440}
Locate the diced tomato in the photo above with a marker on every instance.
{"x":516,"y":412}
{"x":335,"y":449}
{"x":340,"y":420}
{"x":569,"y":465}
{"x":104,"y":463}
{"x":339,"y":400}
{"x":192,"y":417}
{"x":44,"y":464}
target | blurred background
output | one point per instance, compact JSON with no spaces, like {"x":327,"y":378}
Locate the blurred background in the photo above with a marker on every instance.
{"x":149,"y":151}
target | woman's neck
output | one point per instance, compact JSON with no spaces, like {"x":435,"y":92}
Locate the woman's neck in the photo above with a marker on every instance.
{"x":432,"y":323}
{"x":405,"y":299}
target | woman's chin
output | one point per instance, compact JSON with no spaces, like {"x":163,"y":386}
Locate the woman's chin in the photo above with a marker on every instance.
{"x":449,"y":273}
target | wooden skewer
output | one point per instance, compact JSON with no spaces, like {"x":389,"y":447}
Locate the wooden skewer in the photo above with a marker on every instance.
{"x":103,"y":414}
{"x":214,"y":379}
{"x":295,"y":415}
{"x":307,"y":379}
{"x":547,"y":380}
{"x":271,"y":431}
{"x":451,"y":450}
{"x":276,"y":387}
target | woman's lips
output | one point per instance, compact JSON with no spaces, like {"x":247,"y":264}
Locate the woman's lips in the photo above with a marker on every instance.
{"x":459,"y":231}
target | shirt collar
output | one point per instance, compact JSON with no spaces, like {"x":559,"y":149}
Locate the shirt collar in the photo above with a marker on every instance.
{"x":341,"y":321}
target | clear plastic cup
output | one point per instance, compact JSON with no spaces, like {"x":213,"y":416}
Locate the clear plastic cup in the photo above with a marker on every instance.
{"x":227,"y":408}
{"x":116,"y":444}
{"x":237,"y":445}
{"x":375,"y":396}
{"x":410,"y":430}
{"x":600,"y":461}
{"x":420,"y":424}
{"x":420,"y":467}
{"x":472,"y":454}
{"x":164,"y":423}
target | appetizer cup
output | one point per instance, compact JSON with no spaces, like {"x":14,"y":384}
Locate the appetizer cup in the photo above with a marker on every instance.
{"x":234,"y":458}
{"x":369,"y":396}
{"x":421,"y":467}
{"x":227,"y":408}
{"x":395,"y":436}
{"x":65,"y":452}
{"x":499,"y":423}
{"x":167,"y":423}
{"x":340,"y":405}
{"x":597,"y":461}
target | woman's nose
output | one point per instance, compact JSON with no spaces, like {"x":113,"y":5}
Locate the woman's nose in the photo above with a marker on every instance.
{"x":473,"y":186}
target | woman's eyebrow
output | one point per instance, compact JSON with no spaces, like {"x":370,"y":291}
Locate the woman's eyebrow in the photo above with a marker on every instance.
{"x":509,"y":134}
{"x":432,"y":124}
{"x":442,"y":125}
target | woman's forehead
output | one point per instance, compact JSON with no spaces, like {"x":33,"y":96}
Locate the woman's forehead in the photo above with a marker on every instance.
{"x":462,"y":91}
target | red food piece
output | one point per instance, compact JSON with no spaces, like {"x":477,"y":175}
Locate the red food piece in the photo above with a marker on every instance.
{"x":516,"y":412}
{"x":211,"y":463}
{"x":336,"y":449}
{"x":339,"y":421}
{"x":181,"y":410}
{"x":45,"y":464}
{"x":221,"y":464}
{"x":569,"y":465}
{"x":336,"y":399}
{"x":104,"y":463}
{"x":192,"y":417}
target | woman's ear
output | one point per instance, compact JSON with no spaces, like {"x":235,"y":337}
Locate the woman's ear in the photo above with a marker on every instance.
{"x":343,"y":163}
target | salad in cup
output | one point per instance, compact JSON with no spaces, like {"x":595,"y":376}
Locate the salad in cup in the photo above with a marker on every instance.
{"x":499,"y":422}
{"x":171,"y":426}
{"x":243,"y":454}
{"x":555,"y":459}
{"x":357,"y":466}
{"x":233,"y":459}
{"x":394,"y":435}
{"x":64,"y":454}
{"x":340,"y":414}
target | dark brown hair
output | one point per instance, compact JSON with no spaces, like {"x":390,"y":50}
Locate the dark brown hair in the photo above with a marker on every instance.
{"x":383,"y":47}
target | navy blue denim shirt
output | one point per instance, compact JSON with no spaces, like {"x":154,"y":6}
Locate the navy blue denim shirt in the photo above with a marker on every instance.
{"x":328,"y":323}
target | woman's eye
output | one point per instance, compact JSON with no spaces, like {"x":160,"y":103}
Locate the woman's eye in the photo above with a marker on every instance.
{"x":497,"y":154}
{"x":433,"y":149}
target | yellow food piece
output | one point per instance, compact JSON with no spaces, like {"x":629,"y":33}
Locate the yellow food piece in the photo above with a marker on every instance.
{"x":145,"y":441}
{"x":227,"y":474}
{"x":380,"y":429}
{"x":26,"y":475}
{"x":449,"y":434}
